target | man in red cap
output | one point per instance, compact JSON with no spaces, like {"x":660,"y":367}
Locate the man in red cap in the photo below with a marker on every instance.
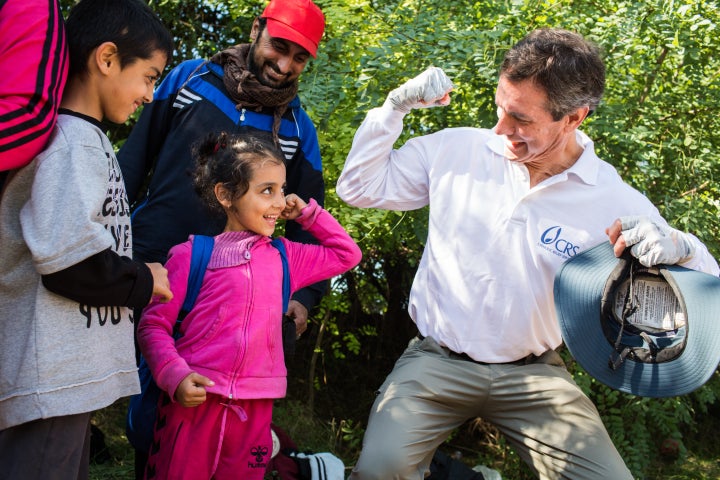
{"x":249,"y":87}
{"x":301,"y":22}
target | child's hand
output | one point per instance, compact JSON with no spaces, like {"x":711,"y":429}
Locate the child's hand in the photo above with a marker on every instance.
{"x":161,"y":285}
{"x":191,"y":391}
{"x":293,"y":206}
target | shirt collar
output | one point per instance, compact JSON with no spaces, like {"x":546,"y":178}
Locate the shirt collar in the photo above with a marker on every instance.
{"x":586,"y":168}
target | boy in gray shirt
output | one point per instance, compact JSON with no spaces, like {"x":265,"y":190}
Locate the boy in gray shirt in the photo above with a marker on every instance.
{"x":67,"y":278}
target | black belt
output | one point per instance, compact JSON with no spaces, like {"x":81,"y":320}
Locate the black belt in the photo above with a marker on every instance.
{"x":464,"y":356}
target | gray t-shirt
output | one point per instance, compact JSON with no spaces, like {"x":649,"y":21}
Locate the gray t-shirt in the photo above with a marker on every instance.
{"x":58,"y":357}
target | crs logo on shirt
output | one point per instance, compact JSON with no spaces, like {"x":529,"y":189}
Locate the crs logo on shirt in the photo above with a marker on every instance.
{"x":560,"y":242}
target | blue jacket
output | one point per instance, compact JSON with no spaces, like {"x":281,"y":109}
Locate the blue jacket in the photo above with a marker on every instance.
{"x":156,"y":160}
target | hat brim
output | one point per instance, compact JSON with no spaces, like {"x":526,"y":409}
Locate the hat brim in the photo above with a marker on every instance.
{"x":578,"y":291}
{"x":280,"y":30}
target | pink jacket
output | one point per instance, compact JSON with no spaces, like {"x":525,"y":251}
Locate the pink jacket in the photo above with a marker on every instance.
{"x":233,"y":334}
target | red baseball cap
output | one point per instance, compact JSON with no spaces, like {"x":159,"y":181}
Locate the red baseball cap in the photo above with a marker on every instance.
{"x":300,"y":21}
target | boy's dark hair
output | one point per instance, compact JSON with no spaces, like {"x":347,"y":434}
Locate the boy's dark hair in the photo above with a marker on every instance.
{"x":130,"y":24}
{"x":231,"y":159}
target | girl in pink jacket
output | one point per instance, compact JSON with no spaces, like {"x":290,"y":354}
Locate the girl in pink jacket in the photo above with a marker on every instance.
{"x":221,"y":376}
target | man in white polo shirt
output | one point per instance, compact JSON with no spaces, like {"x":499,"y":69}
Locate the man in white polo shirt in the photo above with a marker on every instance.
{"x":508,"y":206}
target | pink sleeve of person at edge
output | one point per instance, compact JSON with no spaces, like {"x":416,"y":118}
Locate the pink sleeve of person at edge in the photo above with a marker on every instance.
{"x":34,"y":64}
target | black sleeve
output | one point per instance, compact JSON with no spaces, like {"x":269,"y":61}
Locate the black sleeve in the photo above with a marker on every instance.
{"x":307,"y":183}
{"x":106,"y":278}
{"x":311,"y":295}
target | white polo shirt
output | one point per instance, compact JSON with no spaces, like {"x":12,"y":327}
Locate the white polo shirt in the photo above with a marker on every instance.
{"x":484,"y":285}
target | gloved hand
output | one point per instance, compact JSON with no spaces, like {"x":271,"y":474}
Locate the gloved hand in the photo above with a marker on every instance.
{"x":653,"y":244}
{"x":429,"y":89}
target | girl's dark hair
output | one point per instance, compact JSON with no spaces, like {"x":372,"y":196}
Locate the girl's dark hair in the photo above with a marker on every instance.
{"x":130,"y":24}
{"x":566,"y":66}
{"x":230,"y":160}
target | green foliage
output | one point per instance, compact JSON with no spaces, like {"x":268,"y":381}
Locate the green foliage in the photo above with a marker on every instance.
{"x":638,"y":426}
{"x":657,"y":125}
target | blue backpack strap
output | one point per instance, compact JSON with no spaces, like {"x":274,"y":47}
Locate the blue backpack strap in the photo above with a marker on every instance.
{"x":277,"y":243}
{"x":142,"y":408}
{"x":202,"y":248}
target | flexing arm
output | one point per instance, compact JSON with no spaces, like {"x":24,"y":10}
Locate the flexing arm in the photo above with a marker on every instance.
{"x":375,"y":175}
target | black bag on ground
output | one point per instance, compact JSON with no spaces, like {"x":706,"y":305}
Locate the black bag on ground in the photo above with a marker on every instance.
{"x":444,"y":467}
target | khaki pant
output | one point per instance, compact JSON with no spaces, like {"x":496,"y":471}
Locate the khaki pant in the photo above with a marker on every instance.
{"x":540,"y":410}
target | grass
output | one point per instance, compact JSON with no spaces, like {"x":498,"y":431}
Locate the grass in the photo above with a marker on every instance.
{"x":117,"y":462}
{"x":700,"y":462}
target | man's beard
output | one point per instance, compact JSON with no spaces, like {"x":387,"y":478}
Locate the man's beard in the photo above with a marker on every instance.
{"x":256,"y":70}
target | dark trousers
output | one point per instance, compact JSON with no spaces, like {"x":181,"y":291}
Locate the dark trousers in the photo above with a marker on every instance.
{"x":55,"y":448}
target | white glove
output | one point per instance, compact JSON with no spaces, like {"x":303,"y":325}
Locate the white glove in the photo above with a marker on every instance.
{"x":429,"y":89}
{"x":653,"y":244}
